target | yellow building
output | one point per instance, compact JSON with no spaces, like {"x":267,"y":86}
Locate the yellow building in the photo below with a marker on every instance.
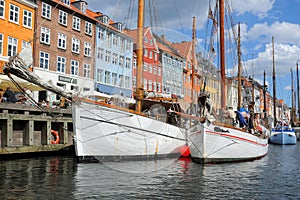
{"x":17,"y":19}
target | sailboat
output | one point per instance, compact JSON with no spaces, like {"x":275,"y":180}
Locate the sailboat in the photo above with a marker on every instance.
{"x":214,"y":141}
{"x":282,"y":133}
{"x":107,"y":132}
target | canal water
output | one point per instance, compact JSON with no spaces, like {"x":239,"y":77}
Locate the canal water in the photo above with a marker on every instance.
{"x":275,"y":176}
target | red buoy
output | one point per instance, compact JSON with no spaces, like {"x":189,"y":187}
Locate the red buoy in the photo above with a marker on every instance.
{"x":185,"y":151}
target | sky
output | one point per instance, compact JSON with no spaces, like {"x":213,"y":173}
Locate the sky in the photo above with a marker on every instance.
{"x":260,"y":20}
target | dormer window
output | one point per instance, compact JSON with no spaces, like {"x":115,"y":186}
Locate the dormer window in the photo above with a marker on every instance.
{"x":120,"y":26}
{"x":105,"y":19}
{"x":67,"y":2}
{"x":83,"y":7}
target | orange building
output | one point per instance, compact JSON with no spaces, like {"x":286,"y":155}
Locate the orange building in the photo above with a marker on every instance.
{"x":17,"y":19}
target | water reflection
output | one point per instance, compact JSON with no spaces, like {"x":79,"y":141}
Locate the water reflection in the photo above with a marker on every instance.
{"x":272,"y":177}
{"x":38,"y":178}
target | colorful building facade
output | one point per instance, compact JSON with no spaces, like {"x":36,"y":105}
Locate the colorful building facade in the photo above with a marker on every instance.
{"x":17,"y":21}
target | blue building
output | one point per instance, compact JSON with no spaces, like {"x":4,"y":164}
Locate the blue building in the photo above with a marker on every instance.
{"x":113,"y":59}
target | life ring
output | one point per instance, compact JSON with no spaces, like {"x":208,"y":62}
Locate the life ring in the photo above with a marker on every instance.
{"x":55,"y":134}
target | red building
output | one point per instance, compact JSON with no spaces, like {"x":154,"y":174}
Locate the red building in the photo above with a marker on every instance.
{"x":152,"y":72}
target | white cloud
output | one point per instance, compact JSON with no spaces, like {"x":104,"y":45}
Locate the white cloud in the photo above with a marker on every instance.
{"x":285,"y":56}
{"x":175,"y":14}
{"x":283,"y":32}
{"x":259,"y":8}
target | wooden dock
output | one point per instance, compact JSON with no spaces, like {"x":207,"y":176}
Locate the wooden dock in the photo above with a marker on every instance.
{"x":26,"y":129}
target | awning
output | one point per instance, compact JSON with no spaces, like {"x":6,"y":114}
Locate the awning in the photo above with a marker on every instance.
{"x":95,"y":94}
{"x":6,"y":82}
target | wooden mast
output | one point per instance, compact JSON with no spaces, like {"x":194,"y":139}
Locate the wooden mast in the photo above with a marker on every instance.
{"x":293,"y":106}
{"x":274,"y":83}
{"x":298,"y":91}
{"x":193,"y":62}
{"x":222,"y":55}
{"x":265,"y":96}
{"x":139,"y":52}
{"x":239,"y":105}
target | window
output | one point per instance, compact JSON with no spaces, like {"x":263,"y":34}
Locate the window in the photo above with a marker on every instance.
{"x":150,"y":68}
{"x":127,"y":82}
{"x":61,"y":64}
{"x":150,"y":85}
{"x":159,"y":71}
{"x":61,"y":43}
{"x":76,"y":23}
{"x":105,"y":19}
{"x":158,"y":87}
{"x":86,"y":70}
{"x":14,"y":13}
{"x":115,"y":39}
{"x":67,"y":2}
{"x":145,"y":67}
{"x":114,"y":78}
{"x":101,"y":34}
{"x":27,"y":19}
{"x":88,"y":28}
{"x":2,"y":8}
{"x":100,"y":53}
{"x":63,"y":18}
{"x":115,"y":58}
{"x":122,"y":45}
{"x":12,"y":46}
{"x":134,"y":63}
{"x":121,"y":61}
{"x":133,"y":82}
{"x":107,"y":56}
{"x":75,"y":45}
{"x":155,"y":56}
{"x":46,"y":11}
{"x":45,"y":35}
{"x":74,"y":67}
{"x":99,"y":75}
{"x":87,"y":49}
{"x":145,"y":84}
{"x":154,"y":69}
{"x":121,"y":81}
{"x":145,"y":52}
{"x":107,"y":77}
{"x":1,"y":44}
{"x":127,"y":65}
{"x":128,"y":44}
{"x":150,"y":54}
{"x":44,"y":60}
{"x":108,"y":39}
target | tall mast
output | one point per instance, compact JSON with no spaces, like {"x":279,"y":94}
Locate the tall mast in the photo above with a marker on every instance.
{"x":139,"y":52}
{"x":265,"y":96}
{"x":292,"y":83}
{"x":222,"y":55}
{"x":274,"y":82}
{"x":193,"y":61}
{"x":298,"y":96}
{"x":239,"y":105}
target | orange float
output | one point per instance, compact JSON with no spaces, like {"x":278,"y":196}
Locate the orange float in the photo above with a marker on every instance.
{"x":56,"y":135}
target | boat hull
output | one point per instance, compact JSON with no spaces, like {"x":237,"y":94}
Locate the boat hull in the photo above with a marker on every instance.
{"x":108,"y":134}
{"x":214,"y":144}
{"x":283,"y":137}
